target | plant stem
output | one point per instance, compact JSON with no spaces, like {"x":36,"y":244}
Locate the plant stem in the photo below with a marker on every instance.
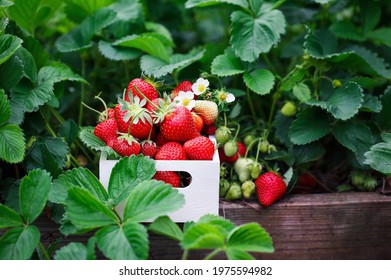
{"x":43,"y":250}
{"x":47,"y":125}
{"x":118,"y":216}
{"x":83,"y":90}
{"x":276,"y":96}
{"x":185,"y":255}
{"x":250,"y":103}
{"x":212,"y":254}
{"x":268,"y":62}
{"x":278,"y":4}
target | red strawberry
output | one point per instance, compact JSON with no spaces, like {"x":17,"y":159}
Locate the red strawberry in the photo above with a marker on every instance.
{"x":307,"y":179}
{"x":209,"y":129}
{"x":224,"y":158}
{"x":184,"y":86}
{"x":200,"y":148}
{"x":270,"y":188}
{"x":207,"y":110}
{"x":168,"y":177}
{"x":178,"y":125}
{"x":107,"y":114}
{"x":161,"y":140}
{"x":198,"y":121}
{"x":149,"y":148}
{"x":241,"y":149}
{"x":156,"y":102}
{"x":147,"y":89}
{"x":171,"y":151}
{"x":125,"y":147}
{"x":106,"y":130}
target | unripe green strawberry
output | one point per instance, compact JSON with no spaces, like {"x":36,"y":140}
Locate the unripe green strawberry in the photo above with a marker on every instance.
{"x":248,"y":189}
{"x":255,"y":170}
{"x":289,"y":109}
{"x":363,"y":180}
{"x":263,"y":146}
{"x":234,"y":192}
{"x":230,"y":148}
{"x":223,"y":171}
{"x":222,"y":134}
{"x":337,"y":83}
{"x":249,"y":139}
{"x":224,"y":187}
{"x":242,"y":168}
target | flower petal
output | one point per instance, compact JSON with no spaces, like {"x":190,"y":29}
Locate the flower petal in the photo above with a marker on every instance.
{"x":230,"y":98}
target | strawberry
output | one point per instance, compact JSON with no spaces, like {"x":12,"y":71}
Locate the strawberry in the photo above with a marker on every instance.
{"x":178,"y":125}
{"x":223,"y":134}
{"x":270,"y":188}
{"x":168,"y":177}
{"x":230,"y":148}
{"x":151,"y":108}
{"x":184,"y":86}
{"x":171,"y":151}
{"x":161,"y":140}
{"x":241,"y":149}
{"x":200,"y":148}
{"x":125,"y":146}
{"x":307,"y":179}
{"x":106,"y":130}
{"x":149,"y":148}
{"x":209,"y":129}
{"x":208,"y":110}
{"x":147,"y":89}
{"x":107,"y":114}
{"x":289,"y":109}
{"x":224,"y":158}
{"x":198,"y":121}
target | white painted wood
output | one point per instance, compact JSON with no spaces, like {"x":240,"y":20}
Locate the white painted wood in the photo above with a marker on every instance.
{"x":201,"y":196}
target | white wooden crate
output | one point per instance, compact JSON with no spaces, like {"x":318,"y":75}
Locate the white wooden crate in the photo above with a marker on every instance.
{"x":201,"y":196}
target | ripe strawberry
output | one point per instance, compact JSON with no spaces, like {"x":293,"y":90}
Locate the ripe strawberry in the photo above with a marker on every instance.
{"x":161,"y":140}
{"x":307,"y":179}
{"x":198,"y":121}
{"x":209,"y":129}
{"x":270,"y":188}
{"x":224,"y":158}
{"x":200,"y":148}
{"x":168,"y":177}
{"x":207,"y":110}
{"x":106,"y":130}
{"x":149,"y":148}
{"x":171,"y":151}
{"x":125,"y":146}
{"x":144,"y":87}
{"x":178,"y":125}
{"x":151,"y":108}
{"x":241,"y":149}
{"x":107,"y":114}
{"x":184,"y":86}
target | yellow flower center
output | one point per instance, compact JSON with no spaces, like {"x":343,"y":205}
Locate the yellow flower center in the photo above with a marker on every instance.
{"x":223,"y":96}
{"x":185,"y":101}
{"x":201,"y":88}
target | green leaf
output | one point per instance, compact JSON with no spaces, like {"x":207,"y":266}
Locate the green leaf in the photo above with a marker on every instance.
{"x":72,"y":251}
{"x":5,"y":108}
{"x":9,"y":217}
{"x":12,"y":143}
{"x":29,"y":67}
{"x":382,"y":35}
{"x":205,"y":3}
{"x":128,"y":10}
{"x":370,"y":15}
{"x":69,"y":131}
{"x":250,"y":237}
{"x":227,"y":64}
{"x":5,"y":3}
{"x":343,"y":103}
{"x":223,"y":225}
{"x":56,"y":72}
{"x":48,"y":153}
{"x":89,"y":139}
{"x":152,"y":199}
{"x":127,"y":173}
{"x":3,"y":24}
{"x":371,"y":104}
{"x":153,"y":66}
{"x":322,"y":1}
{"x":158,"y":28}
{"x":145,"y":43}
{"x":80,"y":37}
{"x":77,"y":177}
{"x":320,"y":43}
{"x":260,"y":81}
{"x":355,"y":136}
{"x":19,"y":243}
{"x":308,"y":153}
{"x":310,"y":125}
{"x":202,"y":236}
{"x":302,"y":92}
{"x":117,"y":53}
{"x":30,"y":97}
{"x":129,"y":242}
{"x":253,"y":36}
{"x":384,"y":118}
{"x":347,"y":30}
{"x":11,"y":72}
{"x":166,"y":227}
{"x":33,"y":194}
{"x":89,"y":7}
{"x":8,"y":46}
{"x":379,"y":157}
{"x":235,"y":254}
{"x":85,"y":211}
{"x":369,"y":83}
{"x":41,"y":56}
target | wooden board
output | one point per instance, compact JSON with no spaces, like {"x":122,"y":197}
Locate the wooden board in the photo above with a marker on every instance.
{"x":313,"y":226}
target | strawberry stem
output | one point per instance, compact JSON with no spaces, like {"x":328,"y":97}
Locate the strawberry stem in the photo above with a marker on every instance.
{"x":251,"y":145}
{"x":92,"y":109}
{"x":149,"y":101}
{"x":104,"y":104}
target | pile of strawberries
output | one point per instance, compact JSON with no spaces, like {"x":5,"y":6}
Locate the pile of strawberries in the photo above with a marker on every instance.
{"x":173,"y":127}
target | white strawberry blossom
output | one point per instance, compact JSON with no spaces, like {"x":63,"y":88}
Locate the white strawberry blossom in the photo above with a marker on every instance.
{"x":224,"y":96}
{"x":200,"y":86}
{"x":186,"y":99}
